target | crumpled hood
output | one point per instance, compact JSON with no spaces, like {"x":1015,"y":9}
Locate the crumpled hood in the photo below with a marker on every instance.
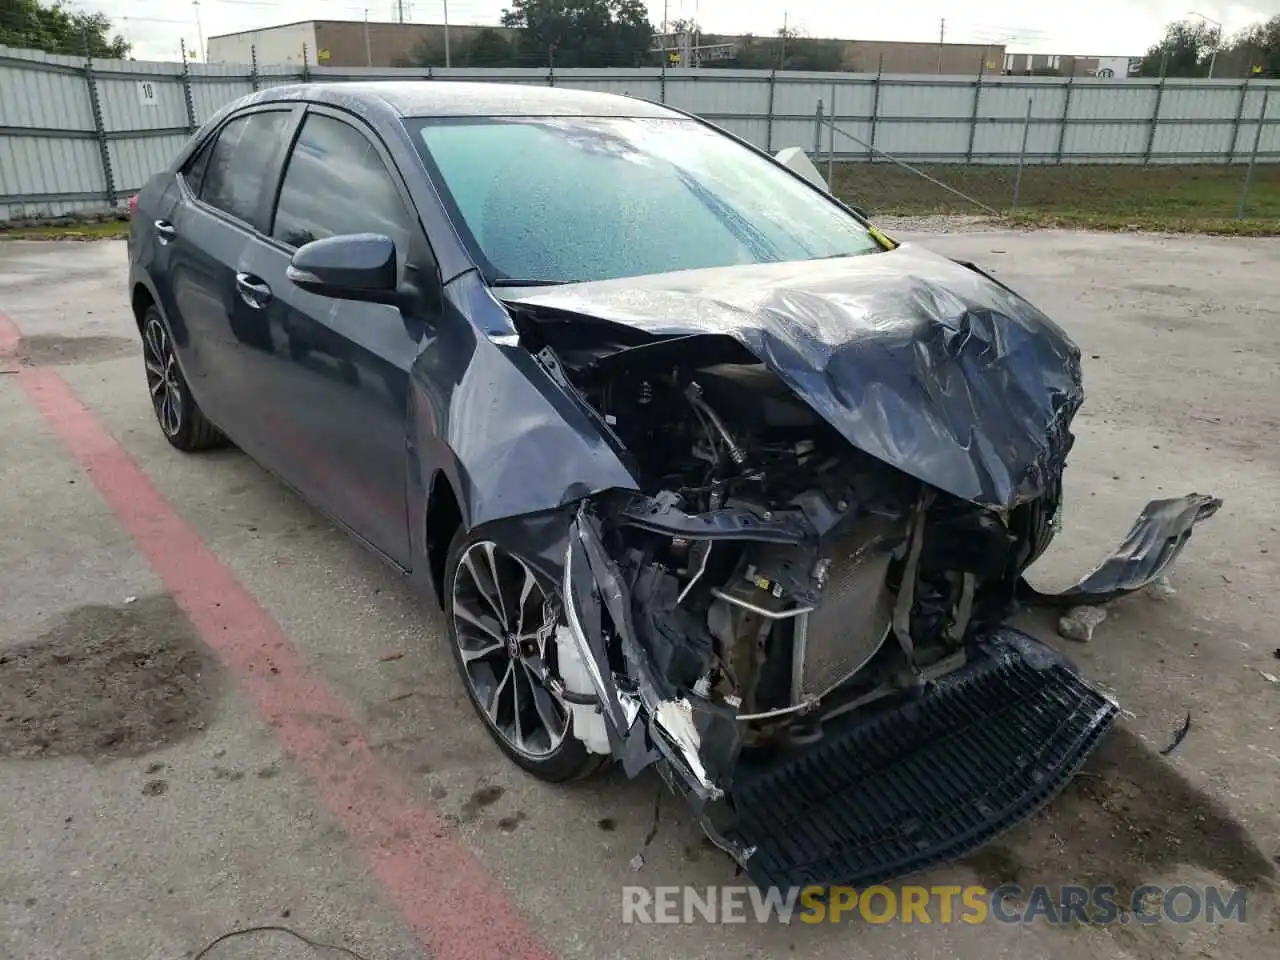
{"x":922,"y":362}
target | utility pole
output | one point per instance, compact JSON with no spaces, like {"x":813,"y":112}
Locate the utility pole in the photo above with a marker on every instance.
{"x":942,"y":38}
{"x":446,"y":34}
{"x":199,"y":29}
{"x":696,"y":58}
{"x":1217,"y":39}
{"x":782,"y":53}
{"x":368,"y":52}
{"x":400,"y":11}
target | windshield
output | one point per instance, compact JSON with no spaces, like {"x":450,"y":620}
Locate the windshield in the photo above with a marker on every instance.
{"x":565,"y":199}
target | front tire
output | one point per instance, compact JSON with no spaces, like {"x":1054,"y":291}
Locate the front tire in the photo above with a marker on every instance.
{"x":494,"y":608}
{"x":180,"y":418}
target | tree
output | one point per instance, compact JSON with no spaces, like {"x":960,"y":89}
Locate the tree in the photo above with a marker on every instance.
{"x":488,"y":48}
{"x":582,"y":33}
{"x":1185,"y":51}
{"x":58,"y":29}
{"x":804,"y":53}
{"x":1255,"y":51}
{"x":788,"y":49}
{"x":428,"y":52}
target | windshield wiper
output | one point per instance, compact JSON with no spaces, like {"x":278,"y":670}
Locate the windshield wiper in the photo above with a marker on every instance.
{"x":509,"y":282}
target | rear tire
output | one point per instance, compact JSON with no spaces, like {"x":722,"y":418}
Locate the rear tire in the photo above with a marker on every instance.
{"x":488,"y":606}
{"x":181,"y":421}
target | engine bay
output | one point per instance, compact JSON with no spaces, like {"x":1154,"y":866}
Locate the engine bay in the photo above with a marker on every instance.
{"x":771,"y":566}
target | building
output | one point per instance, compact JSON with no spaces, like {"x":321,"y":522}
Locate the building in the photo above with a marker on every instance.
{"x":870,"y":56}
{"x":340,"y":43}
{"x":1045,"y":64}
{"x":858,"y":56}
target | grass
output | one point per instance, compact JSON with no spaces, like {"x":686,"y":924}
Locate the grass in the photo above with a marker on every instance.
{"x":106,"y":230}
{"x":1196,"y":199}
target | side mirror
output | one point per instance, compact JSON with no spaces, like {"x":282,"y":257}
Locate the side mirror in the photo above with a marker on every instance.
{"x":797,"y":161}
{"x":360,"y":266}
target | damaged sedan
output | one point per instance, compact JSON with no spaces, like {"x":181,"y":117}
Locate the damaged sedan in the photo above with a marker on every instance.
{"x":707,"y":473}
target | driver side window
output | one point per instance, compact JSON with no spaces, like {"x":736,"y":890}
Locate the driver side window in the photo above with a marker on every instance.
{"x":335,"y":183}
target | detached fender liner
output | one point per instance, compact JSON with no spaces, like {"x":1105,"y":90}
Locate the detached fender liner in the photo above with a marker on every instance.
{"x":927,"y":780}
{"x":1153,"y":543}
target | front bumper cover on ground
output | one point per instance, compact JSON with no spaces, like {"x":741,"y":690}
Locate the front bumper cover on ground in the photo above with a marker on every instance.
{"x":926,"y":780}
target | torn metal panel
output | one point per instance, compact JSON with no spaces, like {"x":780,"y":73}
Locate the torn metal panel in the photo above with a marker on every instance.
{"x":1152,"y":545}
{"x":515,"y":440}
{"x":698,"y":737}
{"x":921,"y":362}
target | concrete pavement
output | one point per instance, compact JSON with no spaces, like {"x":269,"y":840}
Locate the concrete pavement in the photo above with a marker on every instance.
{"x":251,"y":821}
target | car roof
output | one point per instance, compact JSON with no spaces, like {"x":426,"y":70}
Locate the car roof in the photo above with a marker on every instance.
{"x":454,"y":98}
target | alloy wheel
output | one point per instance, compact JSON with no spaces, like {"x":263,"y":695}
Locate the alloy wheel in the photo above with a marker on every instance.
{"x":500,"y":617}
{"x":162,"y":377}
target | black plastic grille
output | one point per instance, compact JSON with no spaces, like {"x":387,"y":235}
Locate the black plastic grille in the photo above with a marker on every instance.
{"x":922,"y":783}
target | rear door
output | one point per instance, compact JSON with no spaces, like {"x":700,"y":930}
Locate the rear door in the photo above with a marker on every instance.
{"x":223,"y":199}
{"x":336,"y":372}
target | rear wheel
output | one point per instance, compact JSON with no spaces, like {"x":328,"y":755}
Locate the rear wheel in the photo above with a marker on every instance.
{"x":497,"y":615}
{"x":180,"y":419}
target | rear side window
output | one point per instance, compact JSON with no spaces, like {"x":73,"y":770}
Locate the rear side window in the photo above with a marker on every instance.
{"x":336,"y":183}
{"x":229,"y":174}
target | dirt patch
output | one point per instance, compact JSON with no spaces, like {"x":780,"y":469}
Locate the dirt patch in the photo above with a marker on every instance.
{"x":53,"y":351}
{"x":105,"y":681}
{"x":511,"y":824}
{"x":479,"y":799}
{"x":1127,"y":817}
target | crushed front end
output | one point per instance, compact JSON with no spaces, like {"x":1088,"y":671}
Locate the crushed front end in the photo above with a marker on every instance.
{"x":799,"y":614}
{"x":838,"y":709}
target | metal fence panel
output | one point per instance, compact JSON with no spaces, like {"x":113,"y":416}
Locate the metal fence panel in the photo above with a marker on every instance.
{"x":49,"y":176}
{"x":923,"y":140}
{"x":1200,"y":102}
{"x":1108,"y":143}
{"x":797,"y":133}
{"x":1250,"y":112}
{"x":43,"y":92}
{"x":1103,"y":100}
{"x":134,"y":161}
{"x":1174,"y":143}
{"x":905,"y":96}
{"x":57,"y":155}
{"x":210,"y":96}
{"x":1007,"y":102}
{"x":138,"y":103}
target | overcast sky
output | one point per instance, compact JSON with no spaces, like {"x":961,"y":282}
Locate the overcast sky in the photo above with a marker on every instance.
{"x":1102,"y":27}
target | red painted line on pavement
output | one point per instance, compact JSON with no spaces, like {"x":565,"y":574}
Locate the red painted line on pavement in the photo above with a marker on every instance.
{"x":456,"y":908}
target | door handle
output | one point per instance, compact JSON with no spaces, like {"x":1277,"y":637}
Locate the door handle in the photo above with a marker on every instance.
{"x":252,"y":290}
{"x":165,"y":231}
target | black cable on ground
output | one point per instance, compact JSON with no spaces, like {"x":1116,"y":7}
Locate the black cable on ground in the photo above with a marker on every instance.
{"x":272,"y":928}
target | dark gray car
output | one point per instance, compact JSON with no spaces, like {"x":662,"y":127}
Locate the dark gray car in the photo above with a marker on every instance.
{"x":707,"y":473}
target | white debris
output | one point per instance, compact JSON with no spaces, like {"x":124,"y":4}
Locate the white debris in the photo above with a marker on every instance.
{"x":637,"y":862}
{"x":1079,"y":623}
{"x":1269,"y":677}
{"x":1160,"y":589}
{"x":130,"y":599}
